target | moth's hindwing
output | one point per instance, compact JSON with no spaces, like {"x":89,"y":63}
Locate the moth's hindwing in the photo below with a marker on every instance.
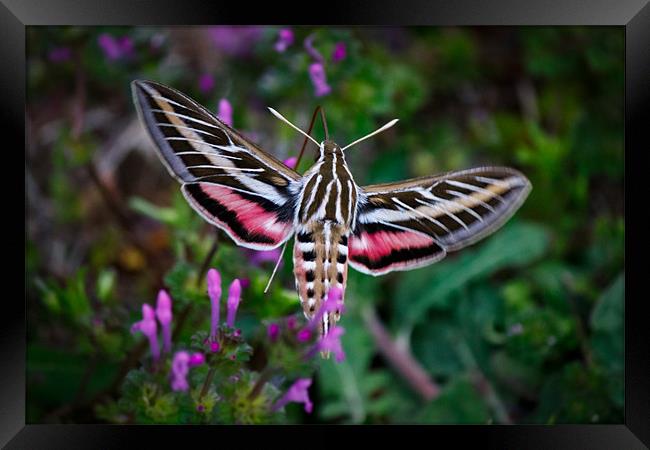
{"x":227,"y":179}
{"x":413,"y":223}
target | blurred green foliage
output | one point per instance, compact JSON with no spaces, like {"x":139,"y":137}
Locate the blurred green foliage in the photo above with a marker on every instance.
{"x":525,"y":327}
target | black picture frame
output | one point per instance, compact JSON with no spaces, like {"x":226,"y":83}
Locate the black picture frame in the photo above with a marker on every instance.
{"x":633,"y":15}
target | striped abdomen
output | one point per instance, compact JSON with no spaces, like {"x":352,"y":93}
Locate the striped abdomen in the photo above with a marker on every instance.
{"x":320,"y":261}
{"x":324,"y":219}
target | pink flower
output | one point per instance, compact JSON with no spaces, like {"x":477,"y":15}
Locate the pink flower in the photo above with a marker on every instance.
{"x":304,"y":335}
{"x":319,"y":80}
{"x":311,"y":50}
{"x":164,"y":314}
{"x":285,"y":39}
{"x":273,"y":331}
{"x":236,"y":40}
{"x":115,"y":48}
{"x":331,"y":342}
{"x":148,"y":327}
{"x":181,"y":364}
{"x":291,"y":162}
{"x":214,"y":292}
{"x":196,"y":359}
{"x":339,"y":52}
{"x":331,"y":304}
{"x":259,"y":257}
{"x":298,"y":392}
{"x":234,"y":297}
{"x":206,"y":83}
{"x":225,"y":112}
{"x":60,"y":54}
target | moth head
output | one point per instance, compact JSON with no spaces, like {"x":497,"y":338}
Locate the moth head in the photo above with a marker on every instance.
{"x":330,"y":147}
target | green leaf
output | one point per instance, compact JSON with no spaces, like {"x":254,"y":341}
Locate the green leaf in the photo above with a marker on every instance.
{"x":352,"y":390}
{"x":105,"y":284}
{"x":54,"y":376}
{"x":514,"y":246}
{"x":607,"y":315}
{"x":576,"y":394}
{"x":165,"y":215}
{"x":607,"y":341}
{"x":458,"y":403}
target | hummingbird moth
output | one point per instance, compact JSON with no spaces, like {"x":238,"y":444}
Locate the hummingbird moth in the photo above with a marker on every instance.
{"x":261,"y":203}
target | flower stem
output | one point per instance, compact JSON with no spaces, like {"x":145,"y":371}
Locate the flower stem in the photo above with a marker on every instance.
{"x":261,"y":381}
{"x":208,"y":381}
{"x":402,"y":361}
{"x":481,"y":382}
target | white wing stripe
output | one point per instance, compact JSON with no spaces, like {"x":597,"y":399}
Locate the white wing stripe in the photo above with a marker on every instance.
{"x":470,"y":187}
{"x":182,"y":127}
{"x":451,"y":204}
{"x":182,"y":116}
{"x":420,"y":213}
{"x":240,"y":169}
{"x":388,"y":224}
{"x":472,"y":199}
{"x":206,"y":154}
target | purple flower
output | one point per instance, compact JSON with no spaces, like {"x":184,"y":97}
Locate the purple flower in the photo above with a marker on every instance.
{"x":214,"y":292}
{"x":164,"y":314}
{"x":339,"y":52}
{"x":259,"y":257}
{"x":157,"y":41}
{"x":291,"y":322}
{"x":311,"y":50}
{"x":206,"y":83}
{"x":180,"y":368}
{"x":115,"y":48}
{"x":298,"y":392}
{"x":148,"y":327}
{"x":60,"y":54}
{"x":291,"y":162}
{"x":319,"y":80}
{"x":273,"y":331}
{"x":196,"y":359}
{"x":234,"y":40}
{"x":331,"y":304}
{"x":331,"y":342}
{"x":225,"y":112}
{"x":234,"y":296}
{"x":285,"y":39}
{"x":214,"y":346}
{"x":181,"y":365}
{"x":126,"y":45}
{"x":304,"y":335}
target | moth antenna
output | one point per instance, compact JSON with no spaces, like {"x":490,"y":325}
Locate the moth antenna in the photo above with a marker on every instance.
{"x":282,"y":118}
{"x":275,"y":269}
{"x":385,"y":127}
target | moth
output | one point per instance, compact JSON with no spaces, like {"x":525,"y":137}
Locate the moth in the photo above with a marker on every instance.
{"x":261,"y":203}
